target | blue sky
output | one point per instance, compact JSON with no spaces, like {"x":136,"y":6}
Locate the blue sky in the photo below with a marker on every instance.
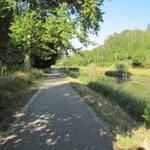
{"x":120,"y":15}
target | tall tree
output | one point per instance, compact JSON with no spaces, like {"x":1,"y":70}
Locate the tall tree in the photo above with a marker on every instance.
{"x":6,"y":12}
{"x":44,"y":28}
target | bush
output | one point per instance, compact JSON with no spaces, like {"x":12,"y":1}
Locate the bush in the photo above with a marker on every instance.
{"x":146,"y":115}
{"x":121,"y":67}
{"x":122,"y":71}
{"x":137,"y":62}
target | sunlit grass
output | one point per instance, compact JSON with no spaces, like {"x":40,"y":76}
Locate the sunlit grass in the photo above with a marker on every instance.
{"x":138,"y":85}
{"x":137,"y":138}
{"x":140,"y":72}
{"x":112,"y":114}
{"x":132,"y":95}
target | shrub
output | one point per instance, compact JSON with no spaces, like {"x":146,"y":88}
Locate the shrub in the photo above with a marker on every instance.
{"x":121,"y":67}
{"x":146,"y":115}
{"x":122,"y":70}
{"x":137,"y":62}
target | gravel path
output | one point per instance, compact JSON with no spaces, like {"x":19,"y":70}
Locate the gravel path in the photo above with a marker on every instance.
{"x":56,"y":119}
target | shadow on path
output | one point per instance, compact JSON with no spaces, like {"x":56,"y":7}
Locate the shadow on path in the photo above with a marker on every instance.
{"x":58,"y":120}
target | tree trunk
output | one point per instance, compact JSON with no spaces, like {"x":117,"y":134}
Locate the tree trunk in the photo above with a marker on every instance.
{"x":27,"y":62}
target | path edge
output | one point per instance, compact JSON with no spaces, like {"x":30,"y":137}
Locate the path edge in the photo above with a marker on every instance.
{"x":23,"y":112}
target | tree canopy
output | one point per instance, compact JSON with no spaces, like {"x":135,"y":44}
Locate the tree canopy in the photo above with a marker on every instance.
{"x":41,"y":31}
{"x":5,"y":20}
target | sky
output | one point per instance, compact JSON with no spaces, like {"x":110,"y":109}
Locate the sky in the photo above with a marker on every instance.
{"x":120,"y":15}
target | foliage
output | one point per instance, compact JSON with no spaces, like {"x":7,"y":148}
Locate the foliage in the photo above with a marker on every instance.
{"x":41,"y":30}
{"x":6,"y":13}
{"x":137,"y":62}
{"x":12,"y":83}
{"x":86,"y":14}
{"x":122,"y":70}
{"x":131,"y":46}
{"x":146,"y":115}
{"x":26,"y":33}
{"x":121,"y":67}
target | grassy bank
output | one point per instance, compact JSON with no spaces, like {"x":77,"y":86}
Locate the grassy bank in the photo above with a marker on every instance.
{"x":15,"y":91}
{"x":121,"y":103}
{"x":112,"y":114}
{"x":132,"y":95}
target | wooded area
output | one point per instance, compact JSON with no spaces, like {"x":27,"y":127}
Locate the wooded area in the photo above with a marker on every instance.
{"x":34,"y":33}
{"x":129,"y":46}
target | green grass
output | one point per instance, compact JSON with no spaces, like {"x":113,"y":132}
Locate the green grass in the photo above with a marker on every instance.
{"x":117,"y":120}
{"x":132,"y":95}
{"x":15,"y":91}
{"x":130,"y":47}
{"x":120,"y":103}
{"x":127,"y":133}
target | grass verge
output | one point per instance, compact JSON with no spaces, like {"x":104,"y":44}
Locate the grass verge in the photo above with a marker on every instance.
{"x":15,"y":91}
{"x":120,"y":104}
{"x":110,"y":113}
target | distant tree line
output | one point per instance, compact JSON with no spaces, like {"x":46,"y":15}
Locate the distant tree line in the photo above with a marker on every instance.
{"x":130,"y":46}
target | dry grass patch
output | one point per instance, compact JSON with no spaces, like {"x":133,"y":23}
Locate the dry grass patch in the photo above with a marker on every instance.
{"x":15,"y":91}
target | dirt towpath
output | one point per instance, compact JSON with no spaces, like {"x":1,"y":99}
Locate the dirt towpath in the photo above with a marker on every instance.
{"x":56,"y":119}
